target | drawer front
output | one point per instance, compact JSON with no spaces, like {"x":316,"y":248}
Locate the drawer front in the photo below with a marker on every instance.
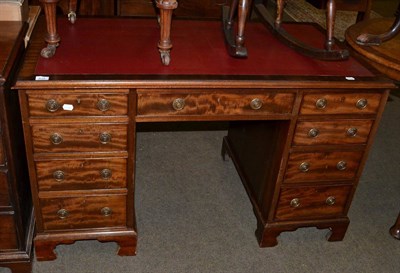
{"x":81,"y":174}
{"x":8,"y":233}
{"x":322,"y":166}
{"x":84,"y":212}
{"x":312,"y":202}
{"x":54,"y":104}
{"x":4,"y":190}
{"x":87,"y":137}
{"x":167,"y":104}
{"x":332,"y":132}
{"x":322,"y":103}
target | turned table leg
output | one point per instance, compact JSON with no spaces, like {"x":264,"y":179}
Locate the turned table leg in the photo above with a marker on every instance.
{"x":52,"y":38}
{"x":395,"y":229}
{"x":164,"y":45}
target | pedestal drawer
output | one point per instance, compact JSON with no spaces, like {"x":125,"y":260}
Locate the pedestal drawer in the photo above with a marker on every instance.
{"x":8,"y":236}
{"x":81,"y":174}
{"x":312,"y":202}
{"x":85,"y":137}
{"x":89,"y":211}
{"x":340,"y":103}
{"x":335,"y":132}
{"x":322,"y":166}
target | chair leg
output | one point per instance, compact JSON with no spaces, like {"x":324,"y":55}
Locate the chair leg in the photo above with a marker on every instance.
{"x":72,"y":7}
{"x":164,"y":45}
{"x":52,"y":38}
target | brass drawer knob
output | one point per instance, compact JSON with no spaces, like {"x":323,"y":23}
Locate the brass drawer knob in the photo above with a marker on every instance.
{"x":105,"y":137}
{"x":313,"y":133}
{"x":59,"y":175}
{"x":341,"y":165}
{"x":295,"y":203}
{"x":56,"y":139}
{"x":105,"y":174}
{"x":351,"y":132}
{"x":103,"y":105}
{"x":361,"y":103}
{"x":304,"y":167}
{"x":52,"y":105}
{"x":62,"y":213}
{"x":178,"y":104}
{"x":330,"y":201}
{"x":321,"y":103}
{"x":106,"y":211}
{"x":256,"y":104}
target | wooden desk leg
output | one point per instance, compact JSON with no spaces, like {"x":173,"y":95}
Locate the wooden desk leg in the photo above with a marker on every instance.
{"x":52,"y":38}
{"x":164,"y":45}
{"x":395,"y":229}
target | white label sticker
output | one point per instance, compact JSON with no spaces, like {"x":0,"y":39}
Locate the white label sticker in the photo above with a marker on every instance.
{"x":350,"y":78}
{"x":42,"y":78}
{"x":68,"y":107}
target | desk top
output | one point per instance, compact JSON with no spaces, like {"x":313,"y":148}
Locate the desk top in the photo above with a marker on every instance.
{"x":124,"y":50}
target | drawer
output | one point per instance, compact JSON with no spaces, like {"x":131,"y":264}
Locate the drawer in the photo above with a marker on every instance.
{"x":8,"y":233}
{"x":4,"y":190}
{"x":339,"y":103}
{"x":91,"y":211}
{"x":51,"y":104}
{"x":312,"y":202}
{"x":206,"y":104}
{"x":334,"y":132}
{"x":322,"y":166}
{"x":80,"y":137}
{"x":81,"y":174}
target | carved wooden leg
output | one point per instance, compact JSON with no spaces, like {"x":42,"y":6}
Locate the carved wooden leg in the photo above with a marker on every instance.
{"x":127,"y":244}
{"x":72,"y":10}
{"x":330,"y":24}
{"x":395,"y":229}
{"x":52,"y":38}
{"x":164,"y":45}
{"x":367,"y":39}
{"x":44,"y":250}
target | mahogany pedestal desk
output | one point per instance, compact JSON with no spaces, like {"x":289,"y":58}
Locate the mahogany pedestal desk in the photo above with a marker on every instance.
{"x":299,"y":134}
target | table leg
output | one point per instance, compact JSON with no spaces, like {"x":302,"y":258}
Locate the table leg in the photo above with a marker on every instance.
{"x":52,"y":38}
{"x":164,"y":45}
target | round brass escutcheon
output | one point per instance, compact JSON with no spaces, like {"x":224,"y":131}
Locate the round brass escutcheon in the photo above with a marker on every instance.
{"x":52,"y":105}
{"x":321,"y":103}
{"x":106,"y":211}
{"x":330,"y":201}
{"x":103,"y":105}
{"x":105,"y":137}
{"x":351,"y":132}
{"x":59,"y":175}
{"x":341,"y":165}
{"x":56,"y":139}
{"x":313,"y":132}
{"x":62,"y":213}
{"x":105,"y":174}
{"x":256,"y":104}
{"x":295,"y":202}
{"x":361,"y":103}
{"x":178,"y":104}
{"x":304,"y":167}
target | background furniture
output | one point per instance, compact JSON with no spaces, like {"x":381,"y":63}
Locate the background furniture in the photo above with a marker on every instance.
{"x":16,"y":215}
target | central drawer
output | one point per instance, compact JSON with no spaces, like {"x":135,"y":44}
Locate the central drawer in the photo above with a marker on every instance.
{"x":179,"y":102}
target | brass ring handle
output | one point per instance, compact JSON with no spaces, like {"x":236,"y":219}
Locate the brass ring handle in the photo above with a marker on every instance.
{"x":321,"y":103}
{"x":56,"y":139}
{"x":304,"y":167}
{"x":330,"y":201}
{"x":256,"y":104}
{"x":178,"y":104}
{"x":295,"y":202}
{"x":52,"y":105}
{"x":106,"y":211}
{"x":103,"y":105}
{"x":62,"y":213}
{"x":105,"y":174}
{"x":351,"y":132}
{"x":341,"y":165}
{"x":361,"y":103}
{"x":313,"y":133}
{"x":105,"y":137}
{"x":59,"y":175}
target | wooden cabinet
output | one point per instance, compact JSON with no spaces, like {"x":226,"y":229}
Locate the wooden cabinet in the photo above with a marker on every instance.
{"x":16,"y":215}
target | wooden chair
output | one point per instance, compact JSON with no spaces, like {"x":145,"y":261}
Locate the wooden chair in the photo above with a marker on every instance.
{"x":53,"y":39}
